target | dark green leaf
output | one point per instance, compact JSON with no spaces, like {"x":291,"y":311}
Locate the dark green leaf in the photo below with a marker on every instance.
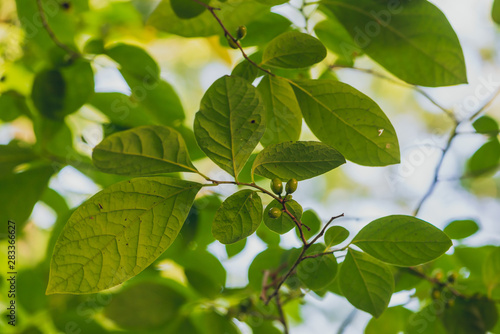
{"x":283,"y":117}
{"x":238,"y":217}
{"x":121,"y":109}
{"x":387,"y":33}
{"x":367,"y":283}
{"x":495,"y":11}
{"x":392,"y":321}
{"x":13,"y":155}
{"x":335,"y":235}
{"x":135,"y":61}
{"x":331,"y":108}
{"x":12,"y":105}
{"x":461,"y":229}
{"x":486,"y":124}
{"x":402,"y":240}
{"x":317,"y":273}
{"x":204,"y":272}
{"x":188,"y":9}
{"x":300,"y":160}
{"x":293,"y":50}
{"x":284,"y":223}
{"x":144,"y":150}
{"x":118,"y":232}
{"x":272,"y":2}
{"x":427,"y":321}
{"x":472,"y":315}
{"x":491,"y":270}
{"x":230,"y":123}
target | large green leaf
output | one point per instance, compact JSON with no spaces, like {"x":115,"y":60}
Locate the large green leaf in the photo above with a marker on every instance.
{"x":283,"y":117}
{"x":145,"y":150}
{"x":293,"y":50}
{"x":317,"y":273}
{"x":334,"y":111}
{"x":337,"y":39}
{"x":230,"y":123}
{"x":413,"y":40}
{"x":238,"y":217}
{"x":367,"y":283}
{"x":233,"y":13}
{"x":284,"y":223}
{"x":118,"y":232}
{"x":300,"y":160}
{"x":402,"y":240}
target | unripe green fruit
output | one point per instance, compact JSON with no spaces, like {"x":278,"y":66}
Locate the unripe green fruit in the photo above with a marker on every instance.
{"x":232,"y":43}
{"x":241,"y":33}
{"x":288,"y":198}
{"x":277,"y":186}
{"x":274,"y":213}
{"x":291,"y":186}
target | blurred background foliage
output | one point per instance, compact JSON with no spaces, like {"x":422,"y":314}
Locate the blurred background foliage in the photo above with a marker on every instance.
{"x":197,"y":285}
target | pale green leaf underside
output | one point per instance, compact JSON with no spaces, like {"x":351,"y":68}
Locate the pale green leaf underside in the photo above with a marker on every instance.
{"x":334,"y":111}
{"x":238,"y":217}
{"x":402,"y":240}
{"x":230,"y":123}
{"x":367,"y":284}
{"x":293,"y":49}
{"x":283,"y":116}
{"x":118,"y":232}
{"x":301,"y":160}
{"x":414,"y":41}
{"x":143,"y":150}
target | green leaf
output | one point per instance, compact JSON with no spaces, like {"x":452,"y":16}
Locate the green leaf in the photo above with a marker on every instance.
{"x":337,"y":39}
{"x":13,"y":155}
{"x":268,"y":236}
{"x":335,"y":235}
{"x":412,"y":40}
{"x":230,"y":123}
{"x":265,"y":28}
{"x":20,"y":192}
{"x":486,"y":124}
{"x":283,"y":117}
{"x":233,"y":13}
{"x":236,"y":248}
{"x":367,"y":283}
{"x":247,"y":70}
{"x":317,"y":273}
{"x":187,"y":9}
{"x":144,"y":150}
{"x":402,"y":240}
{"x":145,"y":306}
{"x":238,"y":217}
{"x":495,"y":11}
{"x":334,"y":111}
{"x":293,"y":50}
{"x":427,"y":321}
{"x":12,"y":105}
{"x":272,"y":2}
{"x":311,"y":220}
{"x":135,"y":61}
{"x":486,"y":159}
{"x":461,"y":229}
{"x":392,"y":321}
{"x":60,"y":92}
{"x":470,"y":315}
{"x":119,"y":232}
{"x":212,"y":322}
{"x":204,"y":272}
{"x":491,"y":270}
{"x":284,"y":223}
{"x":270,"y":259}
{"x":300,"y":160}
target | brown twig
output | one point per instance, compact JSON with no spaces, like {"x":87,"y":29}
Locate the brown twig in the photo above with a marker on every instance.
{"x":51,"y":33}
{"x":281,"y":313}
{"x":434,"y":281}
{"x":212,"y":10}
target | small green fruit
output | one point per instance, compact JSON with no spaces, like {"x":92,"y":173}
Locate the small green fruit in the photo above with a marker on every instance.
{"x":241,"y":33}
{"x":277,"y":186}
{"x":291,"y":186}
{"x":232,"y":43}
{"x":274,"y":213}
{"x":288,"y":198}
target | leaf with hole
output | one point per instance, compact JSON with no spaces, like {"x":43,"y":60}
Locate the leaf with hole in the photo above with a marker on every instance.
{"x":119,"y":232}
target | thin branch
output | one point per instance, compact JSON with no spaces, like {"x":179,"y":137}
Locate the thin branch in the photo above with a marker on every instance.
{"x":434,"y":281}
{"x":281,"y":313}
{"x":419,"y":90}
{"x":486,"y":105}
{"x":325,"y":227}
{"x":212,"y":10}
{"x":297,"y":223}
{"x":51,"y":33}
{"x":347,"y":321}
